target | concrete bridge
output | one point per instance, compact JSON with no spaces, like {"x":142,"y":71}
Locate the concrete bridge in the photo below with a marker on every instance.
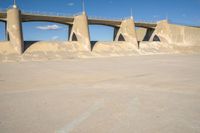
{"x":124,"y":30}
{"x":27,"y":17}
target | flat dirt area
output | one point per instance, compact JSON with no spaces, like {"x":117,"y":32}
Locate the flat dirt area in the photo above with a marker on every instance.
{"x":138,"y":94}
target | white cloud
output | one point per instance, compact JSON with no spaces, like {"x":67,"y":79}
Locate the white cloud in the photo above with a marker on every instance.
{"x":55,"y":38}
{"x":49,"y":27}
{"x":71,"y":4}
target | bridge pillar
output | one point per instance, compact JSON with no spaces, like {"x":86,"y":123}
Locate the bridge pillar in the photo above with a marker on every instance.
{"x":14,"y":29}
{"x":69,"y":32}
{"x":149,"y":34}
{"x":6,"y":32}
{"x":80,"y":31}
{"x":126,"y":32}
{"x":116,"y":30}
{"x":162,"y":32}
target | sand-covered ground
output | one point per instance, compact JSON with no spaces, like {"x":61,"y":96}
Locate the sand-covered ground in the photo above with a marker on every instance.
{"x":59,"y":50}
{"x":138,"y":94}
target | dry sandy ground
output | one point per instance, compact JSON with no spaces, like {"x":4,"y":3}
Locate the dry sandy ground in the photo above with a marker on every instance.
{"x":140,"y":94}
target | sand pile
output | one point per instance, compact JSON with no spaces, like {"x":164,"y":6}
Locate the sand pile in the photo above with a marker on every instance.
{"x":55,"y":50}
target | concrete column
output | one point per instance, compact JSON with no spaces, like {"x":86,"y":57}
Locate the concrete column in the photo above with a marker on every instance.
{"x":6,"y":33}
{"x":127,"y":32}
{"x":14,"y":29}
{"x":80,"y":31}
{"x":69,"y":31}
{"x":162,"y":32}
{"x":116,"y":29}
{"x":149,"y":34}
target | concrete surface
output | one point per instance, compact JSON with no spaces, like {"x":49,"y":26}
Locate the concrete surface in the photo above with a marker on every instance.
{"x":80,"y":31}
{"x":177,"y":34}
{"x":127,"y":33}
{"x":141,"y":32}
{"x":14,"y":29}
{"x":140,"y":94}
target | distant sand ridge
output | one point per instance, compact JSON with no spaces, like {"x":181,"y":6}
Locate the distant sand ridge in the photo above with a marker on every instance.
{"x":150,"y":38}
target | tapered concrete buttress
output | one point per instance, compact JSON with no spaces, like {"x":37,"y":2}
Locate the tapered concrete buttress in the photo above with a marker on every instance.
{"x":162,"y":32}
{"x":80,"y":31}
{"x":14,"y":29}
{"x":127,"y":32}
{"x":177,"y":34}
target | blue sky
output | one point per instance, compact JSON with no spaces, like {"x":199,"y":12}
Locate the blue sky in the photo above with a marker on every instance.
{"x":177,"y":11}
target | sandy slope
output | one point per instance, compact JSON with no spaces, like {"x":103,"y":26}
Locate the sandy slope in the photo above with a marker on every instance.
{"x":55,"y":50}
{"x":137,"y":94}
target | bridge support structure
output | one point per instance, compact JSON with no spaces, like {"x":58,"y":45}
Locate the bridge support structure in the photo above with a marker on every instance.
{"x":149,"y":34}
{"x":80,"y":31}
{"x":6,"y":32}
{"x":14,"y":29}
{"x":126,"y":32}
{"x":161,"y":32}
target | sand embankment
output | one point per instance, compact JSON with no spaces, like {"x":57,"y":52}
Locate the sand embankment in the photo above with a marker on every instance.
{"x":39,"y":51}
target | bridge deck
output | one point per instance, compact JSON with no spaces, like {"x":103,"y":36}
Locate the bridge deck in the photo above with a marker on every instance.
{"x":113,"y":23}
{"x":3,"y":16}
{"x":57,"y":19}
{"x":145,"y":25}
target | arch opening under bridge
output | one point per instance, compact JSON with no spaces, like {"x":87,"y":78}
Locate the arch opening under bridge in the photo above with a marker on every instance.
{"x":147,"y":34}
{"x":34,"y":31}
{"x":3,"y":31}
{"x":103,"y":33}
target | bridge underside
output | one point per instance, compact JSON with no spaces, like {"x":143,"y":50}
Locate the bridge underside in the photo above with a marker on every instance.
{"x":105,"y":22}
{"x":2,"y":20}
{"x":56,"y":19}
{"x":3,"y":16}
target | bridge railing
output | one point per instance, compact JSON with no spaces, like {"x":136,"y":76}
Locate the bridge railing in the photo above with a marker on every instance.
{"x":42,"y":13}
{"x":104,"y":18}
{"x":146,"y":22}
{"x":66,"y":14}
{"x":49,"y":13}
